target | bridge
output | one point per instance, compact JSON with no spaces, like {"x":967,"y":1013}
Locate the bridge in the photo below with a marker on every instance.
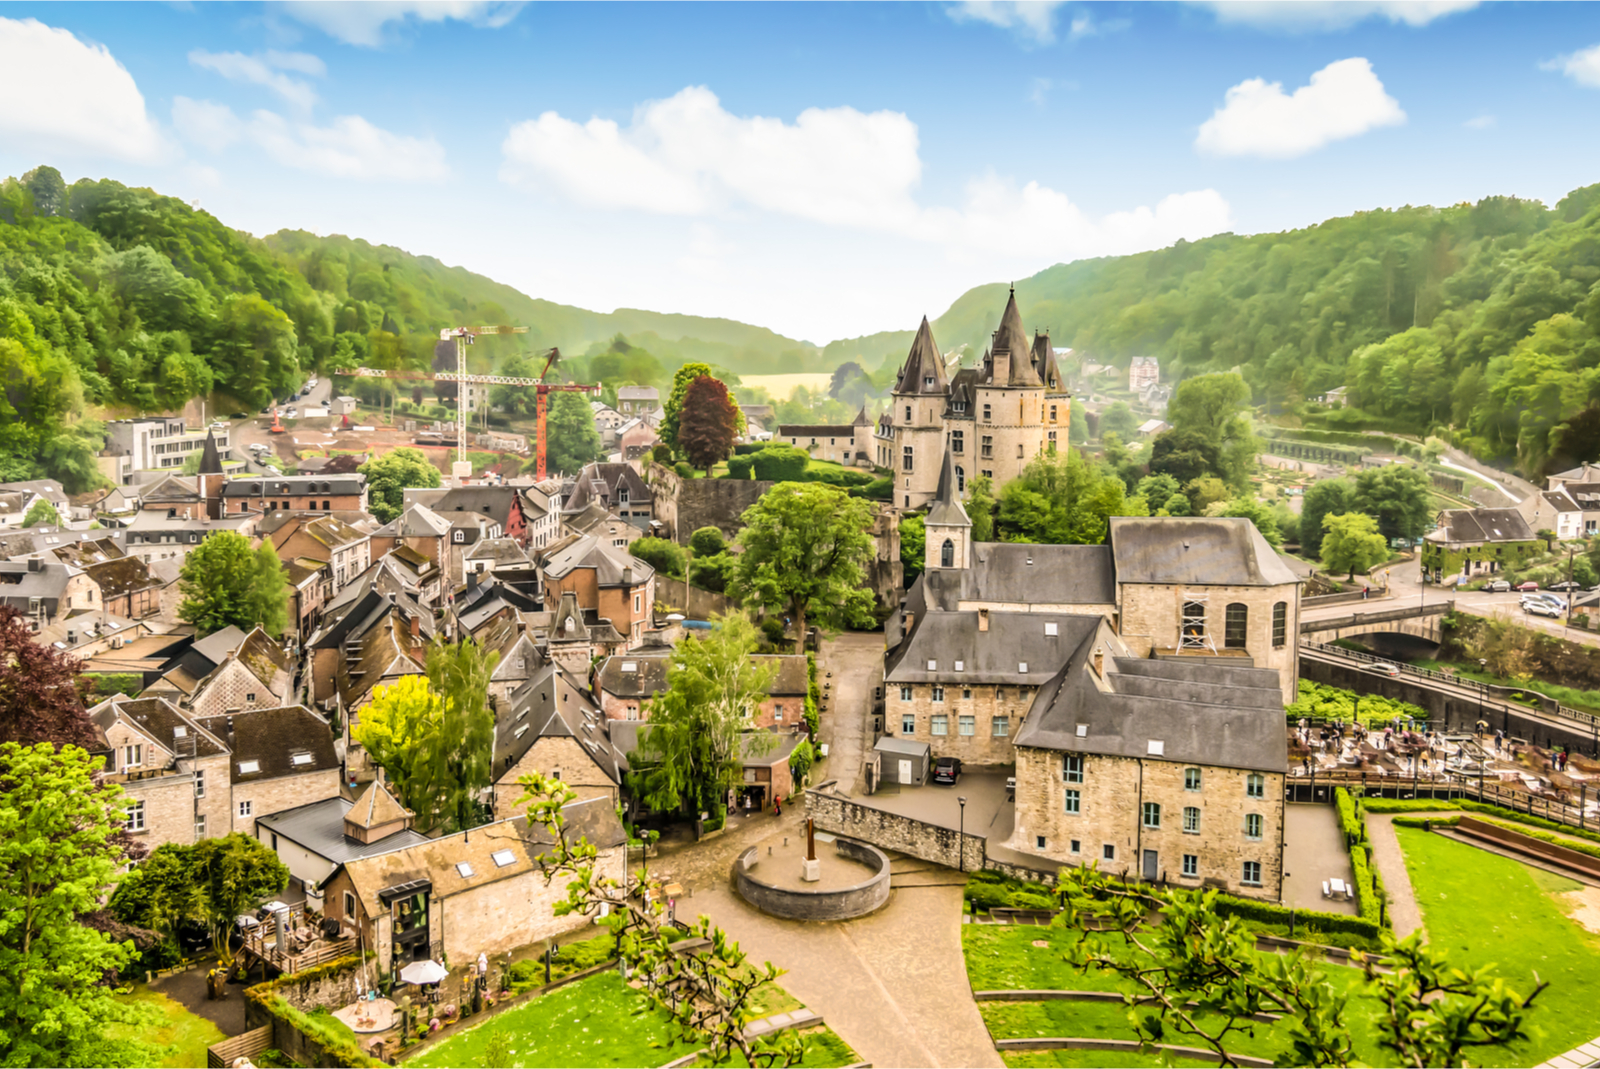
{"x":1420,"y":621}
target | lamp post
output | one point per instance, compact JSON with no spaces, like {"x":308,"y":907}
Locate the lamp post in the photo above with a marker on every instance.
{"x":962,"y":801}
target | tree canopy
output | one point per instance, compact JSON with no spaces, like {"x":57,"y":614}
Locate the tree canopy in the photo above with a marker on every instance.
{"x":1060,"y":498}
{"x":390,"y":474}
{"x":1351,"y":543}
{"x":39,"y":697}
{"x":224,"y":582}
{"x":571,"y":440}
{"x":42,"y":514}
{"x":211,"y":882}
{"x":806,"y":547}
{"x":707,"y":423}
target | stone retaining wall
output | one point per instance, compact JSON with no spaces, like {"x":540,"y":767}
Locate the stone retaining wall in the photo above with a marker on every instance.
{"x":842,"y":904}
{"x":891,"y":831}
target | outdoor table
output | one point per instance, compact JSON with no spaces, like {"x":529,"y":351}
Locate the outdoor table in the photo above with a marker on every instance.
{"x":1339,"y":888}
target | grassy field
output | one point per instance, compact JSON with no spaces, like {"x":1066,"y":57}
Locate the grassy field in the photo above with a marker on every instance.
{"x":601,"y":1021}
{"x":1486,"y":909}
{"x":781,"y":386}
{"x":1588,"y":700}
{"x":181,"y":1035}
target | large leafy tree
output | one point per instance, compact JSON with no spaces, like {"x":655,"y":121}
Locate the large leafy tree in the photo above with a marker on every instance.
{"x":226,"y":582}
{"x":211,"y":882}
{"x":1257,"y":512}
{"x":39,"y":697}
{"x":1398,"y":496}
{"x":1352,"y":543}
{"x":805,"y":553}
{"x":390,"y":474}
{"x":662,"y":554}
{"x":1326,"y":498}
{"x":58,"y":856}
{"x":434,"y":735}
{"x":42,"y":514}
{"x":672,"y":408}
{"x":570,"y":438}
{"x":707,"y":423}
{"x":1059,"y":498}
{"x":690,"y":756}
{"x":1211,"y":408}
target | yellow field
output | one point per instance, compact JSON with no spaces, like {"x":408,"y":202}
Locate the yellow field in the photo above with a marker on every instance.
{"x":781,"y":386}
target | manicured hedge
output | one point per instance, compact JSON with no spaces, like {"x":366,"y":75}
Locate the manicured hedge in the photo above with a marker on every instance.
{"x":1318,"y":700}
{"x":1436,"y":805}
{"x":1350,"y":822}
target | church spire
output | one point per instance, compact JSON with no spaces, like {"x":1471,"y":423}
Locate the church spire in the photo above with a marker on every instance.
{"x":210,"y":459}
{"x":947,"y":509}
{"x":923,"y":372}
{"x":947,"y":528}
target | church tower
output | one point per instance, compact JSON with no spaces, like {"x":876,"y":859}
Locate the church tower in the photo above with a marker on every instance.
{"x":949,"y":529}
{"x":1010,"y":404}
{"x":917,"y":416}
{"x":210,"y":478}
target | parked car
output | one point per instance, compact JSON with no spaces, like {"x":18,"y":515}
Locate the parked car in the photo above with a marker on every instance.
{"x":238,"y":415}
{"x":947,"y":770}
{"x":1539,"y":607}
{"x":1499,"y":586}
{"x":1529,"y":587}
{"x":1565,"y":584}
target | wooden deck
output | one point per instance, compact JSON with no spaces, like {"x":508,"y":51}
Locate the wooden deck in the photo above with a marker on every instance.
{"x":304,"y":945}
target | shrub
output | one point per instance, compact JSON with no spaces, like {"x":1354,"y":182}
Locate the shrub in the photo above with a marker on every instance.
{"x":772,"y":629}
{"x":740,"y":467}
{"x":1030,"y":900}
{"x":1321,"y":923}
{"x":1320,"y":701}
{"x":1350,"y":822}
{"x":781,"y":463}
{"x":684,"y":470}
{"x":1434,"y":805}
{"x":661,"y":453}
{"x":713,"y":573}
{"x":800,"y":761}
{"x":988,"y":896}
{"x":664,"y":556}
{"x":707,"y":542}
{"x":880,"y":489}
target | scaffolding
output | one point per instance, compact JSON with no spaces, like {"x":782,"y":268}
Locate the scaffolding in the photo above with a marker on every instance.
{"x":1192,"y":624}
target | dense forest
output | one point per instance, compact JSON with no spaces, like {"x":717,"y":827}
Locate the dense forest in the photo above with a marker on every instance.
{"x":1484,"y":318}
{"x":117,"y":301}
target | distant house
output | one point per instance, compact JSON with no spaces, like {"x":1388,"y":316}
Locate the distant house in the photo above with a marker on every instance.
{"x":638,"y":400}
{"x":1335,"y":396}
{"x":845,"y":443}
{"x":1152,"y":427}
{"x":1143,"y":371}
{"x":1477,"y":542}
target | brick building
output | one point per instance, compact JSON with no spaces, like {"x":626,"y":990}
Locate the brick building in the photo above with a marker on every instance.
{"x":605,"y":580}
{"x":345,"y":549}
{"x":297,"y":493}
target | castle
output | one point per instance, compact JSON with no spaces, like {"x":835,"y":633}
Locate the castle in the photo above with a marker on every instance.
{"x":993,"y":418}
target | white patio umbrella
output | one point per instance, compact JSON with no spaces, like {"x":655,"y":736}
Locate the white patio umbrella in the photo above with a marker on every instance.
{"x":424,"y":972}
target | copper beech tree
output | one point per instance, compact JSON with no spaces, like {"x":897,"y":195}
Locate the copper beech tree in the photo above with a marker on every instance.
{"x":39,"y":698}
{"x":706,"y":991}
{"x":708,"y":423}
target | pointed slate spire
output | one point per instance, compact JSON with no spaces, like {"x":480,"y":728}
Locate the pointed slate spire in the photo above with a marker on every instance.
{"x":947,"y":510}
{"x":1012,"y":339}
{"x":210,"y":459}
{"x":923,"y":371}
{"x":861,"y":418}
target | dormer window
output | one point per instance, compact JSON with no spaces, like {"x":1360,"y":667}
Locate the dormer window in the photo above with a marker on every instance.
{"x":927,"y":382}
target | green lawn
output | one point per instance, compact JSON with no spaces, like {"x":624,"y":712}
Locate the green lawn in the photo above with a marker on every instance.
{"x":181,"y":1035}
{"x":600,"y":1021}
{"x":1588,"y":700}
{"x":1093,"y":1059}
{"x":1486,"y":909}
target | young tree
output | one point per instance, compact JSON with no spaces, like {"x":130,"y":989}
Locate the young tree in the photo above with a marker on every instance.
{"x":1212,"y":407}
{"x":226,"y":582}
{"x":707,"y":423}
{"x":398,"y":729}
{"x":690,"y":755}
{"x":1060,"y":499}
{"x":461,"y":767}
{"x":1326,"y":498}
{"x":1156,"y":489}
{"x":39,"y":696}
{"x":913,"y":546}
{"x":211,"y":882}
{"x":570,"y":438}
{"x":1198,"y":979}
{"x":981,"y":508}
{"x":708,"y":994}
{"x":806,"y":548}
{"x":664,"y":555}
{"x":1118,"y":419}
{"x":1351,"y":543}
{"x":42,"y":514}
{"x":58,"y":856}
{"x":388,"y":476}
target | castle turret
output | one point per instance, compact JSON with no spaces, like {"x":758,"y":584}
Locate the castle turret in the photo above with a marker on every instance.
{"x":917,"y":414}
{"x":949,"y":529}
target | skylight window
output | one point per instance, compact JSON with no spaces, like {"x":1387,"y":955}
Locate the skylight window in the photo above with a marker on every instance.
{"x":630,"y":666}
{"x":180,"y":732}
{"x":961,"y":666}
{"x":300,"y":759}
{"x":1050,"y":629}
{"x":1083,"y":731}
{"x":1157,"y":748}
{"x":464,"y":869}
{"x":247,"y":767}
{"x":1022,"y":666}
{"x":933,"y":666}
{"x":502,"y":858}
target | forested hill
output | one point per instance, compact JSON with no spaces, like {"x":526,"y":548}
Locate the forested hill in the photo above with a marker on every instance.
{"x":1476,"y":314}
{"x":128,"y":301}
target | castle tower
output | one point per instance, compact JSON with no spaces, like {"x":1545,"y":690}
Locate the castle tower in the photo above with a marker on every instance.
{"x":917,"y":415}
{"x":1057,"y":399}
{"x":210,"y":478}
{"x":949,"y":529}
{"x":1010,"y":404}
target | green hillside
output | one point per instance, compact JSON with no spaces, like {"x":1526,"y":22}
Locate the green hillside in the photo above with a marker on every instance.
{"x":1477,"y":320}
{"x":117,"y":301}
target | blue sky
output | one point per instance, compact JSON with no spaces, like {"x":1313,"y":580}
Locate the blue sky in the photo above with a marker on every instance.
{"x":826,"y":170}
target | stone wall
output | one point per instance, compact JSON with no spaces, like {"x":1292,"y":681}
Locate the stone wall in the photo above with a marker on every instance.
{"x":983,"y":702}
{"x":1152,"y":613}
{"x":801,"y":905}
{"x":693,"y":602}
{"x":891,"y":831}
{"x":280,"y":793}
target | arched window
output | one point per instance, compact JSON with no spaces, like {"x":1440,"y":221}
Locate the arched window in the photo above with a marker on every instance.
{"x":1280,"y":624}
{"x":947,"y":554}
{"x":1235,"y":624}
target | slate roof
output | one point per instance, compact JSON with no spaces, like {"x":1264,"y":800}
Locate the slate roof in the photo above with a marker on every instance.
{"x":551,"y":705}
{"x":417,"y":521}
{"x":495,"y":502}
{"x":265,"y":658}
{"x":435,"y":861}
{"x":1482,"y":525}
{"x":649,"y":675}
{"x":47,"y":488}
{"x":1012,"y":339}
{"x":1205,"y":711}
{"x":319,"y":827}
{"x":274,"y":738}
{"x":755,"y":752}
{"x":216,"y":646}
{"x":158,"y":719}
{"x":352,"y":483}
{"x":503,"y":551}
{"x":32,"y":540}
{"x":1583,"y":473}
{"x":608,"y":562}
{"x":1586,"y":495}
{"x":802,"y":430}
{"x":1002,"y":572}
{"x":923,"y":362}
{"x":790,"y":677}
{"x":89,"y":551}
{"x":121,"y":576}
{"x":638,"y":393}
{"x":1014,"y":650}
{"x":947,"y":508}
{"x":1194,"y":551}
{"x":601,"y":483}
{"x":171,"y":489}
{"x":19,"y":583}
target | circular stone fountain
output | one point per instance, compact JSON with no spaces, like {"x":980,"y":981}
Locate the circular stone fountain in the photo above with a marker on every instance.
{"x":846,"y":879}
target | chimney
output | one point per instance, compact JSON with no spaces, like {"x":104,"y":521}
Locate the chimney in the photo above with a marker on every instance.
{"x":230,"y":732}
{"x":416,"y":627}
{"x":983,"y":619}
{"x":35,"y":564}
{"x":627,"y":576}
{"x":72,"y":636}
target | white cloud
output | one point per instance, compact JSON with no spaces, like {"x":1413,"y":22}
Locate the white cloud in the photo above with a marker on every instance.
{"x":65,"y":95}
{"x":266,"y":71}
{"x":211,"y":126}
{"x":1041,"y":91}
{"x":1034,"y":19}
{"x":1582,"y":67}
{"x":1309,"y":15}
{"x":364,"y":22}
{"x":688,"y":156}
{"x":1258,"y":119}
{"x":349,"y":147}
{"x":1479,"y":122}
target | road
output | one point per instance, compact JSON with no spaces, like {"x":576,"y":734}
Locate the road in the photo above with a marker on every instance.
{"x":246,"y":432}
{"x":855,"y":661}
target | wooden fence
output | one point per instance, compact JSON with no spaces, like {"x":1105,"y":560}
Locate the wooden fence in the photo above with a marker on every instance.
{"x":245,"y":1045}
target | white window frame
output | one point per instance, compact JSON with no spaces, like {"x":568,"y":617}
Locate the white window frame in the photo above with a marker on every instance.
{"x":135,"y":816}
{"x":939,"y":724}
{"x":967,"y":724}
{"x":246,"y":809}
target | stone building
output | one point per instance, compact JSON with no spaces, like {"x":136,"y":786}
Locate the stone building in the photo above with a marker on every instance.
{"x":552,"y":726}
{"x":1143,"y":371}
{"x":1166,"y":769}
{"x":253,"y":675}
{"x":280,"y":759}
{"x":616,"y":487}
{"x":315,"y":839}
{"x":345,"y":549}
{"x":993,"y":418}
{"x":849,"y":444}
{"x":477,"y":892}
{"x":605,"y":580}
{"x":1469,"y":543}
{"x":174,"y":771}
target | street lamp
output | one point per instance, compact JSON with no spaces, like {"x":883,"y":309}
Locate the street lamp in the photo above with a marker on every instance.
{"x":962,"y":800}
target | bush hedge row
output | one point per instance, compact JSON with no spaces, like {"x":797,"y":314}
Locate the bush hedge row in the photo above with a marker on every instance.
{"x":1435,"y":805}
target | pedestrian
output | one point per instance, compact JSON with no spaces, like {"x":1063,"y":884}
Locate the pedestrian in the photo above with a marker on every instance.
{"x":1366,"y":591}
{"x":777,"y":805}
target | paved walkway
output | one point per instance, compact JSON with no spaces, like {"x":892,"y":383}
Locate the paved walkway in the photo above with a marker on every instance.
{"x":1313,"y":853}
{"x":845,"y":726}
{"x":1404,"y":915}
{"x":893,"y":984}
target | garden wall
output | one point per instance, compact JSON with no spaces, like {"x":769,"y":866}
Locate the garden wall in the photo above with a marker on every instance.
{"x":329,"y":987}
{"x":891,"y":831}
{"x":1527,"y":844}
{"x":693,"y":602}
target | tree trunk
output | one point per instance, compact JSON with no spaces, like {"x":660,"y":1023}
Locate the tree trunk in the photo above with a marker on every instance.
{"x":800,"y":626}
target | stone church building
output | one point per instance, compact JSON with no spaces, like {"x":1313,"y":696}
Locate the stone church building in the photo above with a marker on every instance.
{"x":993,"y":418}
